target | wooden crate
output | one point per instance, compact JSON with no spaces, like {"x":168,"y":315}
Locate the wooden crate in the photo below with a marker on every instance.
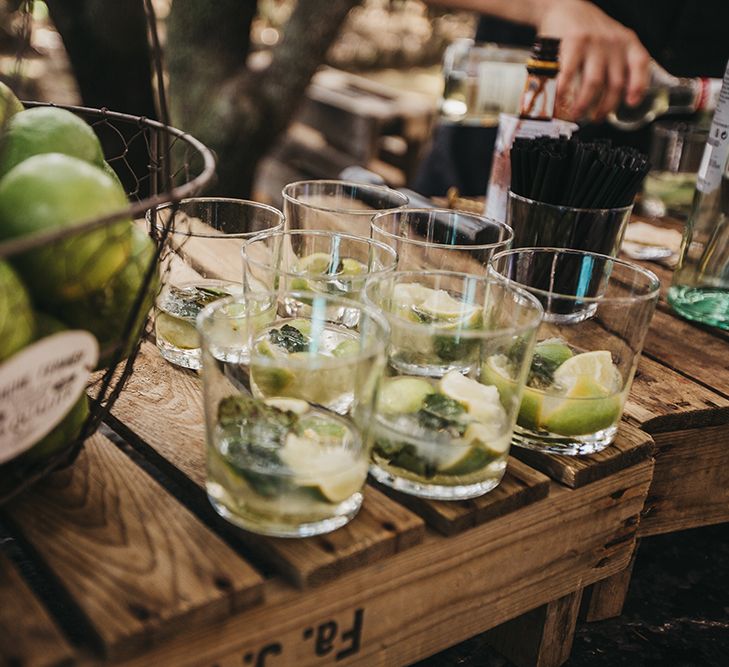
{"x":128,"y":537}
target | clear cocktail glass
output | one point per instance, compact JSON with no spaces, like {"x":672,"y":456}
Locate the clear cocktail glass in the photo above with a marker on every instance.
{"x":443,"y":427}
{"x":201,"y":264}
{"x":596,"y":314}
{"x":441,"y":239}
{"x":322,"y":262}
{"x":340,"y":206}
{"x":289,"y":425}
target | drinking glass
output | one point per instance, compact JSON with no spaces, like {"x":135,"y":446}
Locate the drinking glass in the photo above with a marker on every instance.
{"x":675,"y":155}
{"x":322,"y":262}
{"x":340,"y":206}
{"x":289,"y":425}
{"x":596,"y":313}
{"x":444,"y":421}
{"x":201,"y":263}
{"x":441,"y":239}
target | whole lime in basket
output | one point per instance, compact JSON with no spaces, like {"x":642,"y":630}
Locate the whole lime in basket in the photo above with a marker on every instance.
{"x":16,"y":313}
{"x":47,"y":130}
{"x":54,"y":190}
{"x":9,"y":104}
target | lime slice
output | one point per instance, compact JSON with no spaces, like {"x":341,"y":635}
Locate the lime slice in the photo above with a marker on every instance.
{"x":271,"y":381}
{"x":597,"y":366}
{"x":405,"y":295}
{"x":334,"y":471}
{"x":442,"y":306}
{"x":586,"y":408}
{"x":481,"y":401}
{"x":177,"y":332}
{"x":303,"y":325}
{"x":353,"y":267}
{"x":347,"y":348}
{"x":316,"y":263}
{"x":554,"y":350}
{"x":465,"y":460}
{"x":403,"y":395}
{"x":496,"y":372}
{"x":295,"y":405}
{"x":301,"y":284}
{"x":265,"y":349}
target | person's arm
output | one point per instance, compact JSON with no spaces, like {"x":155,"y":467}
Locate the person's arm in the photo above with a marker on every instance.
{"x":602,"y":56}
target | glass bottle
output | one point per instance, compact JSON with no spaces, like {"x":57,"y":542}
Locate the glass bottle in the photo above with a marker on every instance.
{"x":667,"y":94}
{"x":540,"y":89}
{"x":700,"y":288}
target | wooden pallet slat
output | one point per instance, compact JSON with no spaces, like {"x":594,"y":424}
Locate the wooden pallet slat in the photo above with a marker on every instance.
{"x":520,"y":487}
{"x":28,"y":635}
{"x":138,"y":564}
{"x":162,"y":406}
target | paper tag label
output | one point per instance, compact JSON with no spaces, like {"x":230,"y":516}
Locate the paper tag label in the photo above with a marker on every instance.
{"x":717,"y":145}
{"x":39,"y":385}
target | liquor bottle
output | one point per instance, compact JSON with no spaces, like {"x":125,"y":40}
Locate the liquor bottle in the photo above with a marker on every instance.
{"x":667,"y":94}
{"x":700,"y":288}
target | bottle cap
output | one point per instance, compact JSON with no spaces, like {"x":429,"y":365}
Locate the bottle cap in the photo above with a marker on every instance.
{"x":546,"y":49}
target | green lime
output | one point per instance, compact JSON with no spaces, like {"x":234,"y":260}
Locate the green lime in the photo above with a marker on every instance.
{"x":177,"y":332}
{"x":303,"y":325}
{"x":9,"y":105}
{"x":347,"y":348}
{"x":295,"y":405}
{"x":554,"y":350}
{"x":17,"y":323}
{"x":403,"y":395}
{"x":51,"y":191}
{"x":353,"y":267}
{"x":271,"y":381}
{"x":481,"y":401}
{"x":465,"y":460}
{"x":48,"y":130}
{"x":586,"y":408}
{"x":496,"y":372}
{"x":314,"y":264}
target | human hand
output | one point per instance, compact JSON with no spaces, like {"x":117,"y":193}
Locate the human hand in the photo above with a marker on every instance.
{"x":601,"y":61}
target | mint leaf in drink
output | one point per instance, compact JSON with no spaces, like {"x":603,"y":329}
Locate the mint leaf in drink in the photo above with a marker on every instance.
{"x":440,"y":412}
{"x":289,"y":338}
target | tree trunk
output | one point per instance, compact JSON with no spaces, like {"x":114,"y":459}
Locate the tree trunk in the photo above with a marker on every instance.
{"x":236,"y":111}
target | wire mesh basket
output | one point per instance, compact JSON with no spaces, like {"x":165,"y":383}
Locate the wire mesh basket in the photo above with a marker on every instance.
{"x":98,"y":276}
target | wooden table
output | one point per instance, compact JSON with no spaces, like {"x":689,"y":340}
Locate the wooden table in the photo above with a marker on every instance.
{"x":129,"y":564}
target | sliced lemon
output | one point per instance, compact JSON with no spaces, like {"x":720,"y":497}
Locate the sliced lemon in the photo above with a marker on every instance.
{"x":597,"y":366}
{"x":295,"y":405}
{"x":403,"y":395}
{"x":481,"y":401}
{"x":177,"y":332}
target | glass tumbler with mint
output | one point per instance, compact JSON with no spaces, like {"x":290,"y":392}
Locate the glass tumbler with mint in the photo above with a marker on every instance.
{"x":289,"y":424}
{"x":443,"y":427}
{"x":596,"y":314}
{"x":322,"y":262}
{"x":200,"y":264}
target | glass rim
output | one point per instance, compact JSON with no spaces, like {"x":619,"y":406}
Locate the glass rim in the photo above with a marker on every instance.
{"x":377,"y":344}
{"x":522,"y":293}
{"x":430,"y":244}
{"x":261,"y":236}
{"x":653,"y":282}
{"x":217,"y":200}
{"x":576,"y":209}
{"x":285,"y":193}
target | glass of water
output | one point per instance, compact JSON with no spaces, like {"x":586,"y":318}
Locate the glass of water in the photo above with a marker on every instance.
{"x":339,"y":206}
{"x":201,"y":264}
{"x":441,"y":239}
{"x":443,"y":426}
{"x":289,"y":425}
{"x":322,"y":262}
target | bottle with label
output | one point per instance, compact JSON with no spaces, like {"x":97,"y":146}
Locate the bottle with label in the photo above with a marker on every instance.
{"x":667,"y":94}
{"x":700,"y":289}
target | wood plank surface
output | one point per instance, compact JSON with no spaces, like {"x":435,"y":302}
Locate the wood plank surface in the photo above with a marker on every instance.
{"x":436,"y":594}
{"x":662,"y":400}
{"x":28,"y":635}
{"x":161,"y":408}
{"x":690,"y":487}
{"x":520,"y":486}
{"x":138,"y":564}
{"x":630,"y":447}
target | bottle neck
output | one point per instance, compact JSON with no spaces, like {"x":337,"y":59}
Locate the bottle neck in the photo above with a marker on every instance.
{"x":540,"y":90}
